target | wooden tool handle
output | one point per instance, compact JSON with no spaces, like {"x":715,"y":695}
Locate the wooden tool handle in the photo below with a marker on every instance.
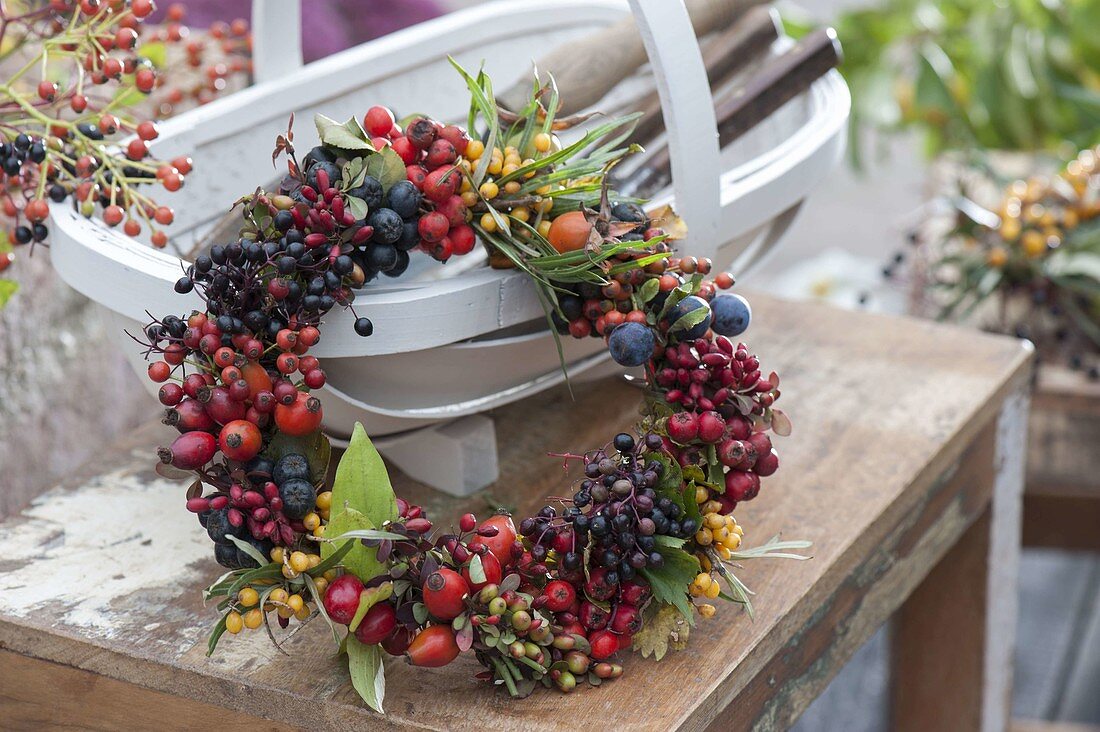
{"x":776,"y":83}
{"x":723,"y":54}
{"x":588,"y":68}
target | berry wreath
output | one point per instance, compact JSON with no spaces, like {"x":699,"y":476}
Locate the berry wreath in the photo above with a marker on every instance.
{"x":647,"y":537}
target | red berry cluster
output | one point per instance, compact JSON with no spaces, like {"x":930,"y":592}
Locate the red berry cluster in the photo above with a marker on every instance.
{"x":57,"y":128}
{"x":200,"y":64}
{"x":721,"y":399}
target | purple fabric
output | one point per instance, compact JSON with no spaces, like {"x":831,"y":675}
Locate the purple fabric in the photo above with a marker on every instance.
{"x":329,"y":25}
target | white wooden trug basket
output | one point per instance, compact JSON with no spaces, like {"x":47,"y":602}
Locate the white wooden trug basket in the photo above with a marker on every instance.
{"x":453,"y":341}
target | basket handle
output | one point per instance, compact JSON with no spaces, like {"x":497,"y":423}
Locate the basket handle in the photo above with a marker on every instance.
{"x":276,"y":38}
{"x":688,"y":109}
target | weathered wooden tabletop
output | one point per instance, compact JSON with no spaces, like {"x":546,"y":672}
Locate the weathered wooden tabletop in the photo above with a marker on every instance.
{"x":904,"y":433}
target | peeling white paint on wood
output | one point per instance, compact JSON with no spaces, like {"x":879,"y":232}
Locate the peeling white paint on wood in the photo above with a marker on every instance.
{"x":76,"y":549}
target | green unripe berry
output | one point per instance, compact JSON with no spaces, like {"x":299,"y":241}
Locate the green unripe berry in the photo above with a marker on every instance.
{"x":517,"y":649}
{"x":521,"y":620}
{"x":566,"y":681}
{"x":497,"y":606}
{"x":533,"y":652}
{"x":577,"y":662}
{"x":488,"y":594}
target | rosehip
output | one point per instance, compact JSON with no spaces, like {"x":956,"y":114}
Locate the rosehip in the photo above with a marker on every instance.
{"x":240,"y":440}
{"x":303,"y":417}
{"x":342,"y":598}
{"x":433,"y":647}
{"x":189,"y":451}
{"x":767,"y":463}
{"x":742,"y":486}
{"x":501,"y":543}
{"x":490,"y":565}
{"x":377,"y":624}
{"x":604,"y":644}
{"x":444,"y":594}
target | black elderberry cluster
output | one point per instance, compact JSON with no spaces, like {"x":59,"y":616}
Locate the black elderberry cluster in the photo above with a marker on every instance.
{"x":261,"y":287}
{"x":617,"y":511}
{"x":13,"y":155}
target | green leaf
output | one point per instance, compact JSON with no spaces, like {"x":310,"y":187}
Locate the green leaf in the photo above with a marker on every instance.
{"x":387,"y":166}
{"x":362,"y":481}
{"x":7,"y":289}
{"x":357,"y":206}
{"x":215,"y":636}
{"x":368,"y":675}
{"x":671,"y":580}
{"x":250,"y":550}
{"x":649,"y":289}
{"x":155,"y":51}
{"x":689,"y":320}
{"x":477,"y":571}
{"x":349,"y":135}
{"x":315,"y":447}
{"x":362,"y":561}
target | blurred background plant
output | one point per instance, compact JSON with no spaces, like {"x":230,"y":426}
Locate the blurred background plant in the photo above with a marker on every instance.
{"x":974,"y":74}
{"x":1002,"y":96}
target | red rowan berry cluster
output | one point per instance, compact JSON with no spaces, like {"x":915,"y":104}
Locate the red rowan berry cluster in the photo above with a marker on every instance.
{"x":60,"y":112}
{"x":196,"y":65}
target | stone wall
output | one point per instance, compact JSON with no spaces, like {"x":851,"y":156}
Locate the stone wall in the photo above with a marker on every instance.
{"x":64,"y":392}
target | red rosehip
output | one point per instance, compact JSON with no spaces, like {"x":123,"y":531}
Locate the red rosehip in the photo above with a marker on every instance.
{"x":189,"y":451}
{"x":440,"y":153}
{"x":188,"y":416}
{"x":767,"y":463}
{"x":377,"y":624}
{"x":463,"y":239}
{"x":240,"y":440}
{"x":405,"y":150}
{"x":397,"y":642}
{"x":342,"y":598}
{"x":445,"y":593}
{"x":604,"y":644}
{"x":741,"y":485}
{"x":416,"y":175}
{"x":433,"y":647}
{"x":442,"y":183}
{"x":501,"y":543}
{"x":433,"y":227}
{"x":47,"y":90}
{"x":711,"y":427}
{"x":490,"y":565}
{"x":303,"y":417}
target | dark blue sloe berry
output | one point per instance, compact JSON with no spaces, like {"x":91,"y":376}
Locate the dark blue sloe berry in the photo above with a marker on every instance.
{"x":382,"y":257}
{"x":632,"y":344}
{"x":227,"y":555}
{"x":682,"y":308}
{"x":731,"y":315}
{"x":388,"y":226}
{"x":399,"y":268}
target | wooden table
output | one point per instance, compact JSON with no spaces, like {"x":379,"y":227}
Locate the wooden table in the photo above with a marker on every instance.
{"x":905,"y":470}
{"x":1062,"y":497}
